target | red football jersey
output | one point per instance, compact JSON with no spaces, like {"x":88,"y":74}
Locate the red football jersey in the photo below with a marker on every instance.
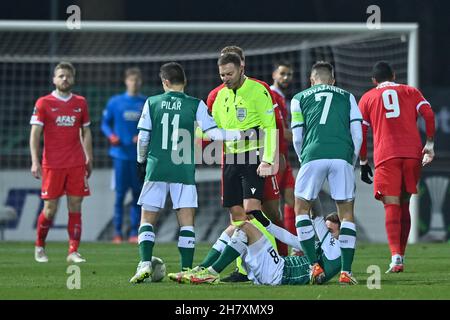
{"x":281,"y":101}
{"x":283,"y":148}
{"x":62,"y":120}
{"x":391,"y":110}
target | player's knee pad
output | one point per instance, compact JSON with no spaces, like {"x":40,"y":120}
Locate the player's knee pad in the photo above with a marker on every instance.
{"x":239,"y":241}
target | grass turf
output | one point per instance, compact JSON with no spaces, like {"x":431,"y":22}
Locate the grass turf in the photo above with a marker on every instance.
{"x":109,"y":268}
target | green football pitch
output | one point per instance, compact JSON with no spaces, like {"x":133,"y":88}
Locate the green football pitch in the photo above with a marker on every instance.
{"x":108,"y":268}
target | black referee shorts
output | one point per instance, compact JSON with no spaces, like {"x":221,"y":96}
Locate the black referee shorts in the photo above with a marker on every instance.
{"x":240,"y":180}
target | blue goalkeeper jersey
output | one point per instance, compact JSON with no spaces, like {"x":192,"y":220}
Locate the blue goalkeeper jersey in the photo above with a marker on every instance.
{"x":121,"y":117}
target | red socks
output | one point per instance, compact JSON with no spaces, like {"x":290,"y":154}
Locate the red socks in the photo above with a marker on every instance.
{"x":289,"y":219}
{"x":406,"y":226}
{"x":42,"y":227}
{"x":393,"y":227}
{"x":74,"y":230}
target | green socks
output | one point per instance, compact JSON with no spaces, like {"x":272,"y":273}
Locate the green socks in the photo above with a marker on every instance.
{"x":306,"y":236}
{"x":186,"y":246}
{"x":347,"y":240}
{"x":146,"y":241}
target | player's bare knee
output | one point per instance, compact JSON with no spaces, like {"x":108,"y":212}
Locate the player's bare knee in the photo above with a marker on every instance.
{"x":50,"y":208}
{"x":302,"y":206}
{"x":74,"y":203}
{"x":391,"y":200}
{"x":252,"y":204}
{"x":237,"y":213}
{"x":149,"y":216}
{"x":345,"y":209}
{"x":186,"y":216}
{"x":289,"y":197}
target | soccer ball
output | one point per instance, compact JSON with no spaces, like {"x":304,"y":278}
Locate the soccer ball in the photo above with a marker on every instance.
{"x":159,"y":269}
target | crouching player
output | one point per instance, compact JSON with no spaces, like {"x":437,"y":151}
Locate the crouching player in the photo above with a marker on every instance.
{"x":261,"y":260}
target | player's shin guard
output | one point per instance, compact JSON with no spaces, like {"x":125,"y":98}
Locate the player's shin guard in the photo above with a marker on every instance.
{"x":216,"y":250}
{"x":393,"y":227}
{"x":289,"y":219}
{"x":235,"y":247}
{"x":347,"y":241}
{"x":42,"y":227}
{"x":146,"y":241}
{"x":305,"y":234}
{"x":186,"y":246}
{"x":405,"y":227}
{"x":74,"y":230}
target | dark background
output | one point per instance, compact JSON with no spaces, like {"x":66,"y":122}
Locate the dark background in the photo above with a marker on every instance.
{"x":431,"y":15}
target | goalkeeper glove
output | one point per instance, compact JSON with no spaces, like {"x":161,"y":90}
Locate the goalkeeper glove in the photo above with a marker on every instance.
{"x":141,"y":169}
{"x":366,"y":171}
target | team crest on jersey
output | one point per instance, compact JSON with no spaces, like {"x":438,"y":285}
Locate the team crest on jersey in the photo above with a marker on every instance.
{"x":241,"y":114}
{"x":65,"y":121}
{"x":332,"y":242}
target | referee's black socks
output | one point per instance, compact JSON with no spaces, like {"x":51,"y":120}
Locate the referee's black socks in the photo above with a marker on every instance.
{"x":259,"y":215}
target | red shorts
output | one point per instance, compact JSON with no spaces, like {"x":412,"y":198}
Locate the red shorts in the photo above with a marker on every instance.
{"x":286,"y":178}
{"x":271,"y":189}
{"x":70,"y":181}
{"x":396,"y":175}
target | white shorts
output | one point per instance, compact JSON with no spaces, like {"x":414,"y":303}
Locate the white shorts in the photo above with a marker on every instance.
{"x":154,"y":193}
{"x":339,"y":173}
{"x":263,"y":264}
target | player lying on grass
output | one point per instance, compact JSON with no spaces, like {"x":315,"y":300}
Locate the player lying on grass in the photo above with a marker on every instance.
{"x":261,"y":260}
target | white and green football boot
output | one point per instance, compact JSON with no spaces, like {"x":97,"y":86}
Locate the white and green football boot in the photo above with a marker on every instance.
{"x":143,"y":271}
